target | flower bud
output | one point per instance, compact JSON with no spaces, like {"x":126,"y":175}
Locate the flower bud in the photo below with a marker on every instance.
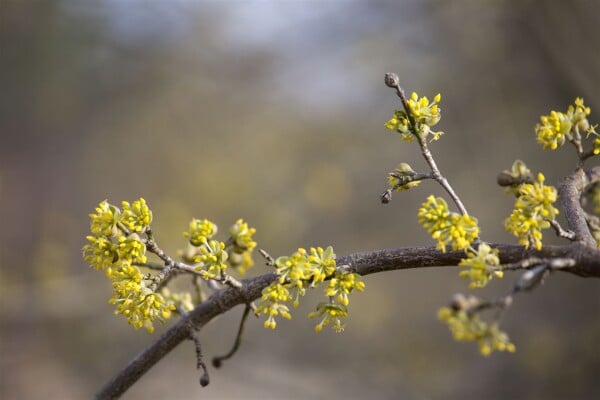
{"x":392,"y":80}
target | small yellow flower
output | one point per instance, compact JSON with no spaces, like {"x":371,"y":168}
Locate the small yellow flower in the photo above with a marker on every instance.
{"x":331,"y":313}
{"x":532,"y":212}
{"x":131,"y":249}
{"x":470,"y":328}
{"x":136,"y":216}
{"x":200,"y":231}
{"x":143,"y":308}
{"x":241,"y":234}
{"x":212,"y":255}
{"x":126,"y":280}
{"x":271,"y":304}
{"x":321,"y":263}
{"x":557,"y":127}
{"x":424,"y":114}
{"x":104,"y":221}
{"x":481,"y":266}
{"x":100,"y":253}
{"x":553,"y":130}
{"x":342,"y":285}
{"x":447,"y":227}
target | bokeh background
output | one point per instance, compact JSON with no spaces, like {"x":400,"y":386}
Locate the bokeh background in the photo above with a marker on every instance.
{"x":273,"y":111}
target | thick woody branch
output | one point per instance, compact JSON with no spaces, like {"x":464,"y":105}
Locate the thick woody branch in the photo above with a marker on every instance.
{"x":587,"y":264}
{"x":569,"y":192}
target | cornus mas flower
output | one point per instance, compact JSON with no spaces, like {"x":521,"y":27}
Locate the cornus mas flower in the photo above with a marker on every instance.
{"x":332,"y":314}
{"x":481,"y":266}
{"x":272,"y":298}
{"x":100,"y":253}
{"x":104,"y":221}
{"x":554,"y":129}
{"x":136,"y":216}
{"x":200,"y":231}
{"x":131,"y":249}
{"x":470,"y":328}
{"x":212,"y":255}
{"x":532,"y":212}
{"x":242,"y":235}
{"x":342,"y":285}
{"x":425,"y":115}
{"x":447,"y":227}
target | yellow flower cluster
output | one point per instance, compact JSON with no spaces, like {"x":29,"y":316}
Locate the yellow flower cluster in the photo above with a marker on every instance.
{"x":243,"y":245}
{"x":271,"y":304}
{"x":401,"y":178}
{"x":100,"y":252}
{"x":481,"y":266}
{"x":342,"y":285}
{"x":470,"y":328}
{"x":140,"y":305}
{"x":330,"y":312}
{"x":532,"y":212}
{"x":181,"y":300}
{"x":104,"y":221}
{"x":309,"y":268}
{"x":114,"y":246}
{"x":131,"y":250}
{"x":241,"y":234}
{"x":554,"y":129}
{"x":136,"y":216}
{"x":200,"y":231}
{"x":447,"y":227}
{"x":425,"y":115}
{"x":212,"y":257}
{"x":115,"y":249}
{"x":236,"y":251}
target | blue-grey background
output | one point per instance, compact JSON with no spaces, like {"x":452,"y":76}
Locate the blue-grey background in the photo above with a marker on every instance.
{"x":273,"y":111}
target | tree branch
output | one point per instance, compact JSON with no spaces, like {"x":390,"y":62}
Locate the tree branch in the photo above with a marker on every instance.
{"x":569,"y":192}
{"x":587,"y":259}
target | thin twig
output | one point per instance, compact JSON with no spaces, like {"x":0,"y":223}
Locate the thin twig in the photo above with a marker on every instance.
{"x":204,"y":378}
{"x":217,"y":362}
{"x":560,"y":232}
{"x":392,"y":81}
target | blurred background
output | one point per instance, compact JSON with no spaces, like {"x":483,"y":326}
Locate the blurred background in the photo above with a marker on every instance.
{"x":273,"y":111}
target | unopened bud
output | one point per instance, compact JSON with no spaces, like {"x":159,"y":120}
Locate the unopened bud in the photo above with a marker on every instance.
{"x":204,"y":380}
{"x":386,"y":196}
{"x":392,"y":80}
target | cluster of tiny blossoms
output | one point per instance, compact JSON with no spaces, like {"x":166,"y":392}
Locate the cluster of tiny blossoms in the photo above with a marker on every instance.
{"x":460,"y":231}
{"x":532,"y":212}
{"x":213,"y":256}
{"x":554,"y":129}
{"x":469,"y":327}
{"x":424,"y":114}
{"x":482,"y":266}
{"x":114,"y":248}
{"x":308,"y":269}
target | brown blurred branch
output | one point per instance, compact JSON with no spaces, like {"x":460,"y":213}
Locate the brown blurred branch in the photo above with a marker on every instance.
{"x":583,"y":251}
